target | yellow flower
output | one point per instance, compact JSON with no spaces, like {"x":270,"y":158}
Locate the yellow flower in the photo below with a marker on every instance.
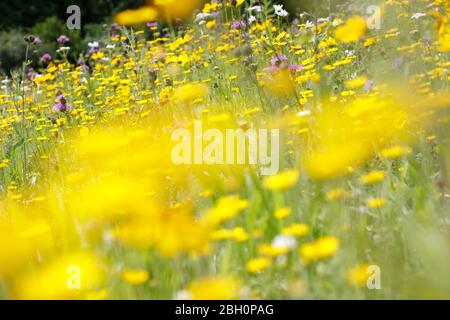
{"x":376,"y":203}
{"x":270,"y":250}
{"x":137,"y":16}
{"x":356,"y":83}
{"x":395,"y":152}
{"x":372,"y":177}
{"x":172,"y":9}
{"x":282,"y":181}
{"x":280,"y":83}
{"x":190,"y":92}
{"x":336,"y":194}
{"x":296,"y":230}
{"x":215,"y":288}
{"x":237,"y":234}
{"x":282,"y":213}
{"x":239,"y":3}
{"x":135,"y":276}
{"x":226,"y":209}
{"x":258,"y":264}
{"x":211,"y":24}
{"x":358,"y":275}
{"x":67,"y":277}
{"x":322,"y":248}
{"x":351,"y":31}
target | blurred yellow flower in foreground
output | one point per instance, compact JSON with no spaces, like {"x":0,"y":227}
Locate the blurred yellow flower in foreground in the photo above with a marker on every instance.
{"x":173,"y":9}
{"x":358,"y":275}
{"x":352,"y":30}
{"x":280,"y":83}
{"x":67,"y":277}
{"x":215,"y":288}
{"x":190,"y":93}
{"x":282,"y":181}
{"x":137,"y":16}
{"x":322,"y":248}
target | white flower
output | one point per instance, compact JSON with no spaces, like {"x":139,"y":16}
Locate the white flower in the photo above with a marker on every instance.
{"x":201,"y":16}
{"x":63,"y":49}
{"x":183,"y":295}
{"x":110,"y":46}
{"x":309,"y":24}
{"x":255,"y":9}
{"x":94,"y":44}
{"x":251,"y":19}
{"x":284,"y":242}
{"x":279,"y":11}
{"x":418,"y":15}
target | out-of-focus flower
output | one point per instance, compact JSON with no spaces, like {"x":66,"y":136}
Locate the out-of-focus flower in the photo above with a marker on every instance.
{"x":225,"y":209}
{"x":258,"y":264}
{"x":135,"y":276}
{"x":190,"y":93}
{"x":136,"y":16}
{"x":352,"y":30}
{"x":376,"y":203}
{"x":395,"y":152}
{"x":322,"y":248}
{"x":176,"y":9}
{"x":63,"y":39}
{"x":280,"y":11}
{"x":282,"y":181}
{"x":67,"y":277}
{"x":214,"y":288}
{"x":282,"y":213}
{"x":372,"y":177}
{"x":279,"y":82}
{"x":356,"y":83}
{"x":296,"y":230}
{"x":46,"y":58}
{"x":358,"y":275}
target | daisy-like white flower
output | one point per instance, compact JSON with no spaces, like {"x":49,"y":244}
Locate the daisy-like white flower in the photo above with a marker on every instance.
{"x":279,"y":10}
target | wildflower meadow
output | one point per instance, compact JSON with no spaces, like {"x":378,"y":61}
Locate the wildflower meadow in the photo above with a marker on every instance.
{"x":231,"y":149}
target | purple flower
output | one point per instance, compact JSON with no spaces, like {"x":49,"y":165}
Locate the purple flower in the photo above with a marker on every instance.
{"x":237,"y":25}
{"x":62,"y":39}
{"x":369,"y":85}
{"x":278,"y":59}
{"x":46,"y":58}
{"x":295,"y":67}
{"x":271,"y":69}
{"x":31,"y":73}
{"x":36,"y":41}
{"x":115,"y":26}
{"x":61,"y":104}
{"x":152,"y":25}
{"x":94,"y":47}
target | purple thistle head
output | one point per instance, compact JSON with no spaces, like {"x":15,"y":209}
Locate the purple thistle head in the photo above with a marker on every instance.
{"x":61,"y":105}
{"x":237,"y":25}
{"x":152,"y":25}
{"x":62,"y":39}
{"x":295,"y":67}
{"x":36,"y":41}
{"x":46,"y":58}
{"x":278,"y":59}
